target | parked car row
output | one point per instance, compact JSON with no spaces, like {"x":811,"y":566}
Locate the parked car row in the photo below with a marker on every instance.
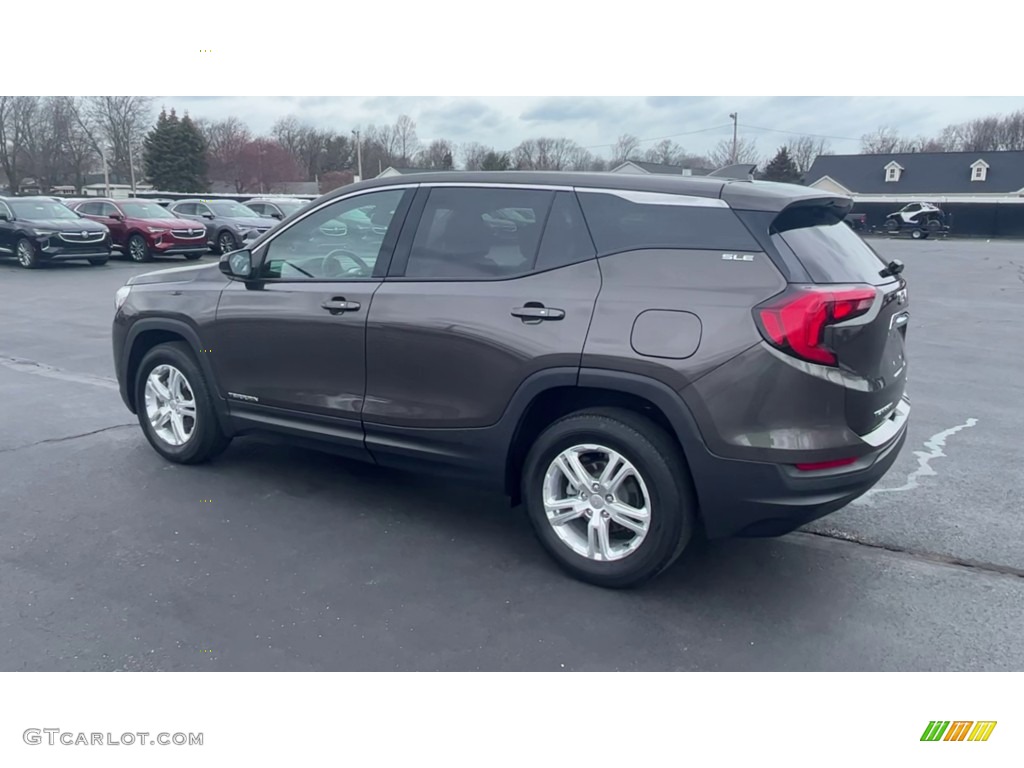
{"x":36,"y":230}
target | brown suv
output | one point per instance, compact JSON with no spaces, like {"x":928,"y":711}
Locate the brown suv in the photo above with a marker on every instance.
{"x":635,"y":358}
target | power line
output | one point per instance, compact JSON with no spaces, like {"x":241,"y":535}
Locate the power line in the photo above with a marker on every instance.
{"x":662,"y":138}
{"x":799,"y":133}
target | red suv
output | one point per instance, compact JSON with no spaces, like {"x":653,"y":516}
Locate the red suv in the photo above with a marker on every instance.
{"x":143,"y":229}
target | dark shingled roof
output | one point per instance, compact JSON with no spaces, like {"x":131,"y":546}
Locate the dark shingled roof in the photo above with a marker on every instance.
{"x":924,"y":173}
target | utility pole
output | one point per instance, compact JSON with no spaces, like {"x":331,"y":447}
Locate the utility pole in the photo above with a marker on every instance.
{"x":359,"y":155}
{"x":131,"y":167}
{"x":735,"y":116}
{"x":106,"y":174}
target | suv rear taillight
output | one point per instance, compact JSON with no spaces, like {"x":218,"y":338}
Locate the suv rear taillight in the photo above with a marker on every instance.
{"x":795,"y":320}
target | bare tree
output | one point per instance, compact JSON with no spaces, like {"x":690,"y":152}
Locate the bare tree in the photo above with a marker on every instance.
{"x":16,"y":118}
{"x":746,"y":153}
{"x":117,"y":126}
{"x":626,"y":147}
{"x":666,"y":152}
{"x":226,"y":141}
{"x":407,"y":144}
{"x":883,"y":141}
{"x":804,"y":150}
{"x":288,"y":132}
{"x":473,"y":155}
{"x":440,"y":154}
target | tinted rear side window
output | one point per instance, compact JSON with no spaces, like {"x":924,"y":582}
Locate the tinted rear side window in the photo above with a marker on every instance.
{"x":566,"y":240}
{"x":635,"y":221}
{"x":834,"y":253}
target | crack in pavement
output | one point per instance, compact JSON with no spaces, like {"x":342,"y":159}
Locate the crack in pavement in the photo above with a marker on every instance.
{"x":22,"y":365}
{"x":929,"y":557}
{"x":66,"y":438}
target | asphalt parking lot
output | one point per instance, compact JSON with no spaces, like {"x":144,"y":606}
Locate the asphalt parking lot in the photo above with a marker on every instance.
{"x":274,"y":558}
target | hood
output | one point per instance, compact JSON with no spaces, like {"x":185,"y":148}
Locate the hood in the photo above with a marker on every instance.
{"x":176,"y":275}
{"x":66,"y":225}
{"x":256,"y":223}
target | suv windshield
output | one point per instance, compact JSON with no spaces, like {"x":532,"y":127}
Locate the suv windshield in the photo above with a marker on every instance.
{"x":41,"y":210}
{"x":236,"y":210}
{"x":145,"y":211}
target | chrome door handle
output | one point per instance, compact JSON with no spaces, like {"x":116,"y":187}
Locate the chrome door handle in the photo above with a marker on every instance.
{"x":337,"y":306}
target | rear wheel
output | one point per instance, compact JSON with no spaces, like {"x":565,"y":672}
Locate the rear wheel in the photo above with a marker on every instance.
{"x":138,"y":249}
{"x":934,"y":225}
{"x":918,"y":234}
{"x":27,"y":253}
{"x":175,"y":406}
{"x":608,"y":494}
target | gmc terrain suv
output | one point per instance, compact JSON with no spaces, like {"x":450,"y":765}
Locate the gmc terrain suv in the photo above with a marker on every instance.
{"x":635,"y":359}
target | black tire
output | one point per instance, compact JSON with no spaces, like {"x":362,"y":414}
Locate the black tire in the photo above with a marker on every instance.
{"x":661,"y":464}
{"x":891,"y":225}
{"x":226,"y":242}
{"x":99,"y":261}
{"x":193,"y":256}
{"x":934,"y":225}
{"x":207,"y":439}
{"x":138,"y":249}
{"x":27,"y":254}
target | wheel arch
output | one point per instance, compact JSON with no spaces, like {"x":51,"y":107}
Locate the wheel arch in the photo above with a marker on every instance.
{"x":597,"y":388}
{"x":148,"y":333}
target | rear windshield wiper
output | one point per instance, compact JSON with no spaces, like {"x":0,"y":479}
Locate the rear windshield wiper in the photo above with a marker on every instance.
{"x":892,"y":269}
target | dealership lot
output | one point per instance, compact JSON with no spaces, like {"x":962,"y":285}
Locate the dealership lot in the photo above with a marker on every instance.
{"x":277,"y":558}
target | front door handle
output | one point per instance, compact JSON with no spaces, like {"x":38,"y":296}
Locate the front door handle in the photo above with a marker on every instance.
{"x":338,"y":305}
{"x":537,"y":312}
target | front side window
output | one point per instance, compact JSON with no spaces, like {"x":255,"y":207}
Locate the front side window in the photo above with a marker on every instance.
{"x":466,"y":234}
{"x":90,"y":209}
{"x":145,"y":211}
{"x":232,"y":210}
{"x":185,"y":209}
{"x":330,"y":245}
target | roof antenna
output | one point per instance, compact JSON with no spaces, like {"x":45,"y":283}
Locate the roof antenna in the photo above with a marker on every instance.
{"x":742,"y":171}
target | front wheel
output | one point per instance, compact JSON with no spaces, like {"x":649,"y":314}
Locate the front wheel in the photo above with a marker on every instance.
{"x":175,"y":406}
{"x":225,"y":242}
{"x":27,"y":253}
{"x":138,"y":249}
{"x":609,"y":496}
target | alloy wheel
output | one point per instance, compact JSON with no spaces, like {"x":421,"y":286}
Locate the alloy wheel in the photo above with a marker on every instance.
{"x":170,"y":405}
{"x":25,"y":255}
{"x":597,"y":502}
{"x":137,"y":249}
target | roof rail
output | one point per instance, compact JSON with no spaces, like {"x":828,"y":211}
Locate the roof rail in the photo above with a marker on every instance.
{"x":742,"y":171}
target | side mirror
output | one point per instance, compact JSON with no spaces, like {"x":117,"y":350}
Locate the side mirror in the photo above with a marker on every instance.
{"x":117,"y":216}
{"x":276,"y":215}
{"x":238,"y":265}
{"x":208,"y":216}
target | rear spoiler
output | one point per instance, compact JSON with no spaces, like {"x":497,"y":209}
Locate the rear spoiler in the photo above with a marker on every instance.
{"x":743,"y":172}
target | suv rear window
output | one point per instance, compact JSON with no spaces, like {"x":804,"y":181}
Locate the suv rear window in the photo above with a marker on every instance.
{"x":631,"y":221}
{"x":834,"y":253}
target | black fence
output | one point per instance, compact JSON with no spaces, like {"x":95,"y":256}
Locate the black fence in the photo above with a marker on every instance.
{"x":964,"y":219}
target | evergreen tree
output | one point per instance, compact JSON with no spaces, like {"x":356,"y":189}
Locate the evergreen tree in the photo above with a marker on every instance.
{"x":496,"y":161}
{"x":174,"y":154}
{"x":782,"y":168}
{"x":193,"y":156}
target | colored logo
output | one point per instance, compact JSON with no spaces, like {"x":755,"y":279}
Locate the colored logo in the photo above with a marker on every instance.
{"x":958,"y":730}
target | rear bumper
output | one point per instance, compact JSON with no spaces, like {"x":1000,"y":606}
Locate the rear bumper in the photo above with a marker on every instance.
{"x":746,"y":498}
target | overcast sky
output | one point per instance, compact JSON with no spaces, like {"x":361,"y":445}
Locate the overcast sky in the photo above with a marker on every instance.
{"x":505,"y":121}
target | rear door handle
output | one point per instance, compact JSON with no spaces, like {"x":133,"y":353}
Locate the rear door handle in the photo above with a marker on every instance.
{"x":338,"y":305}
{"x":538,"y":312}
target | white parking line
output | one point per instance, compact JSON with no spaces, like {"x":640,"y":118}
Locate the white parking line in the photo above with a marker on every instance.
{"x":934,"y":444}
